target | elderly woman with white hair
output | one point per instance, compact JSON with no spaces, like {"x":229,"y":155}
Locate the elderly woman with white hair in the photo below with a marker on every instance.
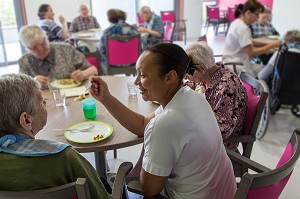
{"x":46,"y":61}
{"x":84,"y":21}
{"x":223,"y":90}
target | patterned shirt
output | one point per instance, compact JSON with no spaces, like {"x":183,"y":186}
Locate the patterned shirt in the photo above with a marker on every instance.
{"x":79,"y":24}
{"x":154,"y":24}
{"x":52,"y":29}
{"x":228,"y":99}
{"x":119,"y":28}
{"x":259,"y":30}
{"x":62,"y":60}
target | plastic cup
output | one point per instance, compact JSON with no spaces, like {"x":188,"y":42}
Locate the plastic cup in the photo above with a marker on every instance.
{"x":89,"y":108}
{"x":132,"y":89}
{"x":59,"y":97}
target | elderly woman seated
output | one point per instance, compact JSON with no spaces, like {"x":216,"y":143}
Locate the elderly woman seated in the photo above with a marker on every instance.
{"x":28,"y":163}
{"x":46,"y":61}
{"x":223,"y":90}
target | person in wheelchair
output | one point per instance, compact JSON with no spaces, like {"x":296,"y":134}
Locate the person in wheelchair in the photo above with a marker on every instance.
{"x":292,"y":40}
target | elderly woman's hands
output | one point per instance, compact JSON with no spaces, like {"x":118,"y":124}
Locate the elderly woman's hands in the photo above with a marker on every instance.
{"x":78,"y":75}
{"x":42,"y":80}
{"x":99,"y":89}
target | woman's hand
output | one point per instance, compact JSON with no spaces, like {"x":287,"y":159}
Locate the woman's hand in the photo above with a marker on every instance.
{"x":99,"y":89}
{"x":42,"y":80}
{"x":78,"y":75}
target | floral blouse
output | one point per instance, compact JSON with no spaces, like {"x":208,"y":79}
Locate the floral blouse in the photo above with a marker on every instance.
{"x":228,"y":99}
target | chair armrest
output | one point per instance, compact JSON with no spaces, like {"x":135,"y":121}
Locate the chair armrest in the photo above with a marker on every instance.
{"x":135,"y":187}
{"x":248,"y":163}
{"x":119,"y":183}
{"x":240,"y":138}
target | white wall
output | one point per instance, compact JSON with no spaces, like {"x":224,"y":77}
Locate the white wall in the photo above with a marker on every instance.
{"x":193,"y":14}
{"x":67,"y":8}
{"x":286,"y":15}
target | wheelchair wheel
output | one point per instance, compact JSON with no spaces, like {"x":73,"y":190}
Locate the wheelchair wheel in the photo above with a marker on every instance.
{"x":296,"y":110}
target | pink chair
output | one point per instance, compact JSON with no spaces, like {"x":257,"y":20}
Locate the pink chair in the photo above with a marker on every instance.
{"x":257,"y":97}
{"x":179,"y":25}
{"x":169,"y":30}
{"x":140,"y":20}
{"x":94,"y":59}
{"x":230,"y":16}
{"x":214,"y":18}
{"x":267,"y":183}
{"x":122,"y":54}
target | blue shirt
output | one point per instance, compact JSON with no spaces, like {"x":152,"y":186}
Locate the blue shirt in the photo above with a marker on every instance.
{"x":157,"y":25}
{"x":52,"y":29}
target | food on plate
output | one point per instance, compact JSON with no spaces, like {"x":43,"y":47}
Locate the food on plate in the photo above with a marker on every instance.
{"x":98,"y":137}
{"x":80,"y":97}
{"x":66,"y":81}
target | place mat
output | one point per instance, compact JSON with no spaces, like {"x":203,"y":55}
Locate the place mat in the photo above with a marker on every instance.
{"x":101,"y":131}
{"x":75,"y":91}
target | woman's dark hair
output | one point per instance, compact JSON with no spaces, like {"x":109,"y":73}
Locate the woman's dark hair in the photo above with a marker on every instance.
{"x":114,"y":15}
{"x":169,"y":57}
{"x":42,"y":9}
{"x":251,"y":5}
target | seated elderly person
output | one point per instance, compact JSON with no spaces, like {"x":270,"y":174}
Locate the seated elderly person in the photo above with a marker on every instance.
{"x":184,"y":155}
{"x":292,"y":39}
{"x":47,"y":23}
{"x":118,"y":26}
{"x":153,"y":27}
{"x":223,"y":90}
{"x":46,"y":61}
{"x":28,"y":163}
{"x":84,"y":21}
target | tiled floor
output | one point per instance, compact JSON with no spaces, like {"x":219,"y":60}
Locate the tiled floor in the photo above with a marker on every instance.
{"x":266,"y":151}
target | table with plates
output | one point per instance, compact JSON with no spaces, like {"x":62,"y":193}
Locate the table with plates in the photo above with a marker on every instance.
{"x":64,"y":117}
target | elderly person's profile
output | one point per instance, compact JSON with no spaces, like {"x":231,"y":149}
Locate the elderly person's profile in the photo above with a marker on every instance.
{"x":32,"y":164}
{"x":45,"y":61}
{"x":178,"y":134}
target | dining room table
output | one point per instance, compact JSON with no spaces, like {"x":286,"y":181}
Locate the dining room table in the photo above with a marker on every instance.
{"x":66,"y":116}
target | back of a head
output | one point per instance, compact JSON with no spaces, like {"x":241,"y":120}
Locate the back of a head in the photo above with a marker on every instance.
{"x":30,"y":34}
{"x":16,"y":96}
{"x":113,"y":15}
{"x":169,"y":57}
{"x":42,"y":9}
{"x":251,"y":5}
{"x":201,"y":53}
{"x":292,"y":36}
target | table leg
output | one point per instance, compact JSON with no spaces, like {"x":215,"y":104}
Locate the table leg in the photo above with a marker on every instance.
{"x":100,"y":164}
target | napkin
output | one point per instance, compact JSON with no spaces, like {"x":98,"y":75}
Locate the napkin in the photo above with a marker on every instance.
{"x":75,"y":91}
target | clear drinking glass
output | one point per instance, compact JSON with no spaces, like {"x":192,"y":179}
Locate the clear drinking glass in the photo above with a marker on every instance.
{"x":59,"y":97}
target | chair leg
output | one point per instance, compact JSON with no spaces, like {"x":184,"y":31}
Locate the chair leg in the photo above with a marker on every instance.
{"x":115,"y":153}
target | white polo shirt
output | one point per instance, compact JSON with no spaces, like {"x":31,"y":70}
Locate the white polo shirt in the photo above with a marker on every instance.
{"x":183,"y":141}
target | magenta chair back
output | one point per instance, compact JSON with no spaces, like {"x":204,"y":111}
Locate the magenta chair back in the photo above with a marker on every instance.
{"x":270,"y":183}
{"x":213,"y":13}
{"x":167,"y":16}
{"x":140,"y":20}
{"x":94,"y":59}
{"x":122,"y":53}
{"x":168,"y":35}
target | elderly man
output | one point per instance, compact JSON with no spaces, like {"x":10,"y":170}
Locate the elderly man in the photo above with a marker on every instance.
{"x":23,"y":158}
{"x":84,"y":21}
{"x":153,"y":27}
{"x":46,"y":61}
{"x":47,"y":23}
{"x":223,"y":90}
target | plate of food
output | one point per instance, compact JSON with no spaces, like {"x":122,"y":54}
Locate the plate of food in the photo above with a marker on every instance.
{"x":275,"y":37}
{"x":64,"y":83}
{"x":101,"y":131}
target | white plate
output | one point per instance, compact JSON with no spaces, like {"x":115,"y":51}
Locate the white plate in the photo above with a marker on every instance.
{"x":57,"y":84}
{"x":101,"y":129}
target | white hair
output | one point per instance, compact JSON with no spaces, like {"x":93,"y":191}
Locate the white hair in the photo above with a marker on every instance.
{"x":31,"y":34}
{"x":201,"y":53}
{"x":145,"y":9}
{"x":85,"y":5}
